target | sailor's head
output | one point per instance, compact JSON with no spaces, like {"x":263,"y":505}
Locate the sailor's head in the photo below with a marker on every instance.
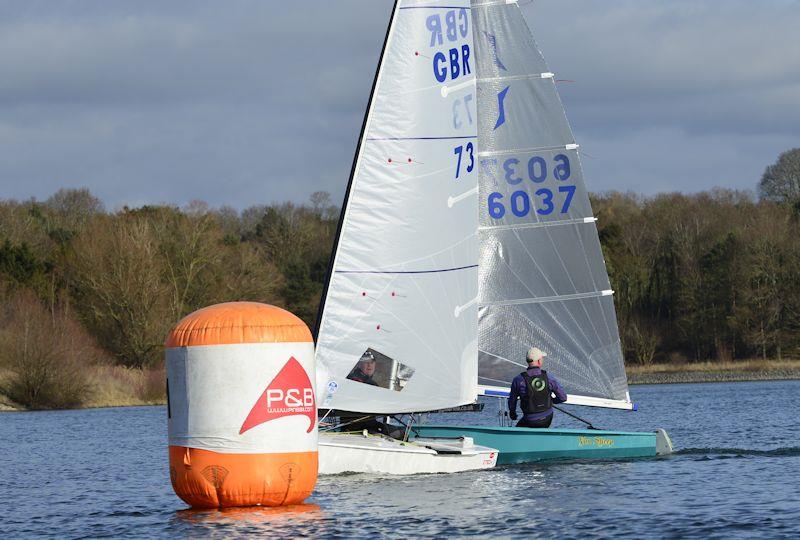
{"x":367,"y":363}
{"x":535,"y":357}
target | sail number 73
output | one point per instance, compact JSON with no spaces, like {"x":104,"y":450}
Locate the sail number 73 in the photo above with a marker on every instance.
{"x":544,"y":200}
{"x":469,"y":158}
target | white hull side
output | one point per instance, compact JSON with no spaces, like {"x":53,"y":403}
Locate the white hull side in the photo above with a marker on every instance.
{"x":341,"y":453}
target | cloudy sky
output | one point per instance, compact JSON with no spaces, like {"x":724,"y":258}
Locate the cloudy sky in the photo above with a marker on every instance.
{"x":246,"y":101}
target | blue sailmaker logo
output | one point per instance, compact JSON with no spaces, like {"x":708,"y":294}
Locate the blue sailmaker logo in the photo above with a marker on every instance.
{"x":501,"y":116}
{"x":493,"y":42}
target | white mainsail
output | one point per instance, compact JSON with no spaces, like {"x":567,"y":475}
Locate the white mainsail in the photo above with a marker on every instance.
{"x":543,"y":280}
{"x":404,"y":279}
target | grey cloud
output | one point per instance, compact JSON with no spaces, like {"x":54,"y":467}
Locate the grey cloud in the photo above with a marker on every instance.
{"x":247,"y":101}
{"x":675,"y":95}
{"x":668,"y":159}
{"x":703,"y":66}
{"x":204,"y":52}
{"x":235,"y":103}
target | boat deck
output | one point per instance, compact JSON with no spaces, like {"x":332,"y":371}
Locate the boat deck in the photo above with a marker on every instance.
{"x":369,"y":453}
{"x":522,"y":445}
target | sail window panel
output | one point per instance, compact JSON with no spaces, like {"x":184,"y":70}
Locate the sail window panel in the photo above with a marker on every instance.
{"x":376,"y":369}
{"x":582,"y":354}
{"x":410,"y":318}
{"x":547,"y":262}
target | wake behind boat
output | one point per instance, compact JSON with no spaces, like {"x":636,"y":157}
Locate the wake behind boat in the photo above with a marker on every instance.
{"x":466,"y":237}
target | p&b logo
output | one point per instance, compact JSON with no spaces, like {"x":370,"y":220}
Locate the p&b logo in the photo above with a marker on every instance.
{"x":289,"y":394}
{"x":277,"y":398}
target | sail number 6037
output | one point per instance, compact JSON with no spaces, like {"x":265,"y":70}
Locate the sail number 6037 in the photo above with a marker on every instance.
{"x":537,"y":169}
{"x":544,"y":199}
{"x":519,"y":202}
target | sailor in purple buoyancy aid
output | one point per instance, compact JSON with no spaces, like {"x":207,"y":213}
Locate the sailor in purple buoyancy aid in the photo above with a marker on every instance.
{"x":535,"y":388}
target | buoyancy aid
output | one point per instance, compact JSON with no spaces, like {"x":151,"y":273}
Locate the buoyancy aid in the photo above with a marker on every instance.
{"x":539,"y":398}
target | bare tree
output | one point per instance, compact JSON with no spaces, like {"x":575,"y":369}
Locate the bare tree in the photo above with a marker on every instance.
{"x":320,"y":201}
{"x":45,"y":354}
{"x":75,"y":204}
{"x":189,"y":250}
{"x":116,"y":277}
{"x":244,"y":273}
{"x":781,"y":180}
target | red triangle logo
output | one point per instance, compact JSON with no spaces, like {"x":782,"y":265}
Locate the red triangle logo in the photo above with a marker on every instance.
{"x":289,"y":394}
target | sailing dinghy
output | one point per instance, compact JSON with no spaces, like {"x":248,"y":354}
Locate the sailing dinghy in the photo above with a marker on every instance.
{"x":542,"y":276}
{"x":403,"y":279}
{"x":465,"y":238}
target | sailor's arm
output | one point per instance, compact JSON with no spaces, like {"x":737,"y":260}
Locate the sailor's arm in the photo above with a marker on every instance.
{"x":513,"y":394}
{"x":561,"y":395}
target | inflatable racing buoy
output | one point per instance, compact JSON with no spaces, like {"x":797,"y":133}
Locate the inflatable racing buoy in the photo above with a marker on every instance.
{"x":241,"y":409}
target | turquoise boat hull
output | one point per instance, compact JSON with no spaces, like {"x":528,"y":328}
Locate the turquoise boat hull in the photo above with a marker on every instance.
{"x":524,"y":445}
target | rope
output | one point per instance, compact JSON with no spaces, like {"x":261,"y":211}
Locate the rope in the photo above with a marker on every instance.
{"x":575,"y":416}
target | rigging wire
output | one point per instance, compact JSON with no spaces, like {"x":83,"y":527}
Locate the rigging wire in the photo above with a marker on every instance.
{"x":351,"y":422}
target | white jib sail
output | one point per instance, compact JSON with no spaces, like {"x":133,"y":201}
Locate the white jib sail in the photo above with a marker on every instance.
{"x":543,"y":280}
{"x":403,"y":284}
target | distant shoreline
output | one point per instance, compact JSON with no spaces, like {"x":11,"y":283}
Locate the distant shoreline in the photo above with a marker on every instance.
{"x":701,"y":372}
{"x":713,"y":377}
{"x":712,"y":372}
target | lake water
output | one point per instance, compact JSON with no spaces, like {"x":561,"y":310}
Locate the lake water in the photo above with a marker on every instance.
{"x":103,"y":473}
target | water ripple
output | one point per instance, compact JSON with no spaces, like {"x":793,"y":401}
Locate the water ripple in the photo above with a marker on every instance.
{"x":103,"y":473}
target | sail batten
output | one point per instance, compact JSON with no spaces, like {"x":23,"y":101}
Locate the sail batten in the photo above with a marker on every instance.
{"x":541,"y":299}
{"x":489,"y":153}
{"x":575,"y":221}
{"x":545,"y":75}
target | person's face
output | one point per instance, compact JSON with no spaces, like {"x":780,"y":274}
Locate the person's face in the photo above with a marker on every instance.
{"x":368,"y":367}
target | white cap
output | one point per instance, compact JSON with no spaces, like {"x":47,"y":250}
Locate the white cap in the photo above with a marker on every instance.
{"x":535,"y":353}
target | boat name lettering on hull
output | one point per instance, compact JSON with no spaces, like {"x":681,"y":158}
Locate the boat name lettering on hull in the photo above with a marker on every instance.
{"x":595,"y":441}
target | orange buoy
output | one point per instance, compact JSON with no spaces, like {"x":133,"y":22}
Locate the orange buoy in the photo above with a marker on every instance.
{"x":241,"y":408}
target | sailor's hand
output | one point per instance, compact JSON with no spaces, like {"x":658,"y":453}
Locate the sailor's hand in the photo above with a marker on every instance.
{"x":513,"y":415}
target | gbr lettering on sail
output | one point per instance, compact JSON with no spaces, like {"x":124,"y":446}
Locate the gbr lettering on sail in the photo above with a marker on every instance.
{"x":448,"y":30}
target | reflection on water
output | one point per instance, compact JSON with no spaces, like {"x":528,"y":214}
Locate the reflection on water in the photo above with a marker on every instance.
{"x":271,"y":516}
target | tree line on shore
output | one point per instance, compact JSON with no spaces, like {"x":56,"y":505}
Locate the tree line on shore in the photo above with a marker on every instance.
{"x":713,"y":275}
